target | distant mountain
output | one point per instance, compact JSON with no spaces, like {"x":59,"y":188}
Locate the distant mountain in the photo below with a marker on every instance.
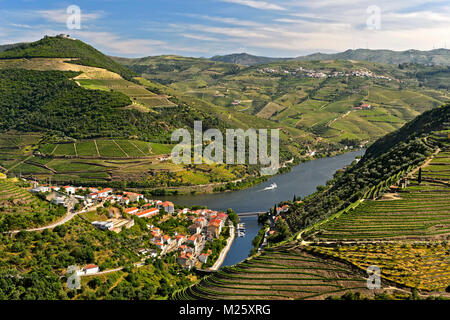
{"x":4,"y":47}
{"x":246,"y":59}
{"x":432,"y":57}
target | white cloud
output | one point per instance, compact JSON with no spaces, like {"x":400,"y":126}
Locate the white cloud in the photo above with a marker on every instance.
{"x":257,"y":4}
{"x":115,"y":44}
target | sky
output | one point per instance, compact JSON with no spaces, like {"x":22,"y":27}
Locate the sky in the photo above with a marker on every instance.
{"x":204,"y":28}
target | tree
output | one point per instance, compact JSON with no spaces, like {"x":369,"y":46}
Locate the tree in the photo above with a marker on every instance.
{"x":233,"y":216}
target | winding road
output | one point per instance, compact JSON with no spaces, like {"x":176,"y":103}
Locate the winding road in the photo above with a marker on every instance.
{"x":62,"y":221}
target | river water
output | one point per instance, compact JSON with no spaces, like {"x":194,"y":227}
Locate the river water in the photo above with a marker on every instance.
{"x":302,"y":180}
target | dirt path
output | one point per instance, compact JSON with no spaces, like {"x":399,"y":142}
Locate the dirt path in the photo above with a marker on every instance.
{"x":75,"y":149}
{"x":61,"y":221}
{"x":54,"y":149}
{"x":426,"y":163}
{"x":19,"y":163}
{"x":96,"y":147}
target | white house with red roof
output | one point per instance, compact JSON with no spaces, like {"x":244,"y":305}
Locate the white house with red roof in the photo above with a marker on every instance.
{"x":167,"y":206}
{"x":69,"y":189}
{"x":215,"y":227}
{"x":133,"y":196}
{"x":104,"y":193}
{"x":147,"y":213}
{"x":180,"y":239}
{"x":132,"y":210}
{"x":90,"y":269}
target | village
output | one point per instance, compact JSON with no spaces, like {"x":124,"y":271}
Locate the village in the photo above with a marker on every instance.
{"x":311,"y":73}
{"x":200,"y":226}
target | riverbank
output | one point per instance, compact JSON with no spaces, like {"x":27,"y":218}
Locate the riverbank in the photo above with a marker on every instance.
{"x":239,"y":184}
{"x":225,"y":250}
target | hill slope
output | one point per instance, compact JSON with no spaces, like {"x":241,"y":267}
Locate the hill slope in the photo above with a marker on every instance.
{"x":432,"y":57}
{"x":57,"y":47}
{"x":246,"y":59}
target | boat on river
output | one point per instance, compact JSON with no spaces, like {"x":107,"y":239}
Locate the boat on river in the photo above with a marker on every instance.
{"x":271,"y":187}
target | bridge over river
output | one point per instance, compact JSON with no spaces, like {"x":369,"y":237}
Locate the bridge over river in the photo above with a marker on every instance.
{"x":250,"y":214}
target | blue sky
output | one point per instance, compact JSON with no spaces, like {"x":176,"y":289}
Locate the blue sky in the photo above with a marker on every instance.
{"x":282,"y":28}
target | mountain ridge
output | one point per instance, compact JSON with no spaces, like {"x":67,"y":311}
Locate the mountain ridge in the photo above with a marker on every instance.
{"x":432,"y":57}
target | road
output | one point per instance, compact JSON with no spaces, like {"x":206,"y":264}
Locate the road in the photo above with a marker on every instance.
{"x":225,"y":250}
{"x":62,"y":221}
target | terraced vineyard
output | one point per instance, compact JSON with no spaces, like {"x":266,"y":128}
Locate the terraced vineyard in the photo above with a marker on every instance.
{"x":20,"y":209}
{"x":422,"y":266}
{"x":288,"y":272}
{"x":419,"y":211}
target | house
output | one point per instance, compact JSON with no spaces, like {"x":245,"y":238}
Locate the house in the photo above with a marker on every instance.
{"x":69,"y":189}
{"x":214,"y":227}
{"x":103,"y":225}
{"x":180,"y":239}
{"x":194,"y":240}
{"x":222,"y":216}
{"x":200,"y":221}
{"x":365,"y":106}
{"x":134,"y":197}
{"x":90,"y":269}
{"x":40,"y":189}
{"x":147,"y":213}
{"x":131,"y":210}
{"x":203,"y":258}
{"x":160,"y":245}
{"x":393,"y":188}
{"x":184,"y":261}
{"x":195,"y":228}
{"x":167,"y":206}
{"x":167,"y":239}
{"x":104,"y":193}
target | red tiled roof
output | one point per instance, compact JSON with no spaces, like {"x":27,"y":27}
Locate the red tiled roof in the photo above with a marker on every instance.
{"x":90,"y":266}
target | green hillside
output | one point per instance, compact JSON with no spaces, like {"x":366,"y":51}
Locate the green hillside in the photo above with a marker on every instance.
{"x":320,"y":98}
{"x":58,"y":47}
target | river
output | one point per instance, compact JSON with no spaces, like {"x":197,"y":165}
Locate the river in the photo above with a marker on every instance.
{"x":302,"y":180}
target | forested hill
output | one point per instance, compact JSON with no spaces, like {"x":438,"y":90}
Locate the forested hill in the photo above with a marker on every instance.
{"x":432,"y":120}
{"x":49,"y":101}
{"x":58,"y":47}
{"x":388,"y":156}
